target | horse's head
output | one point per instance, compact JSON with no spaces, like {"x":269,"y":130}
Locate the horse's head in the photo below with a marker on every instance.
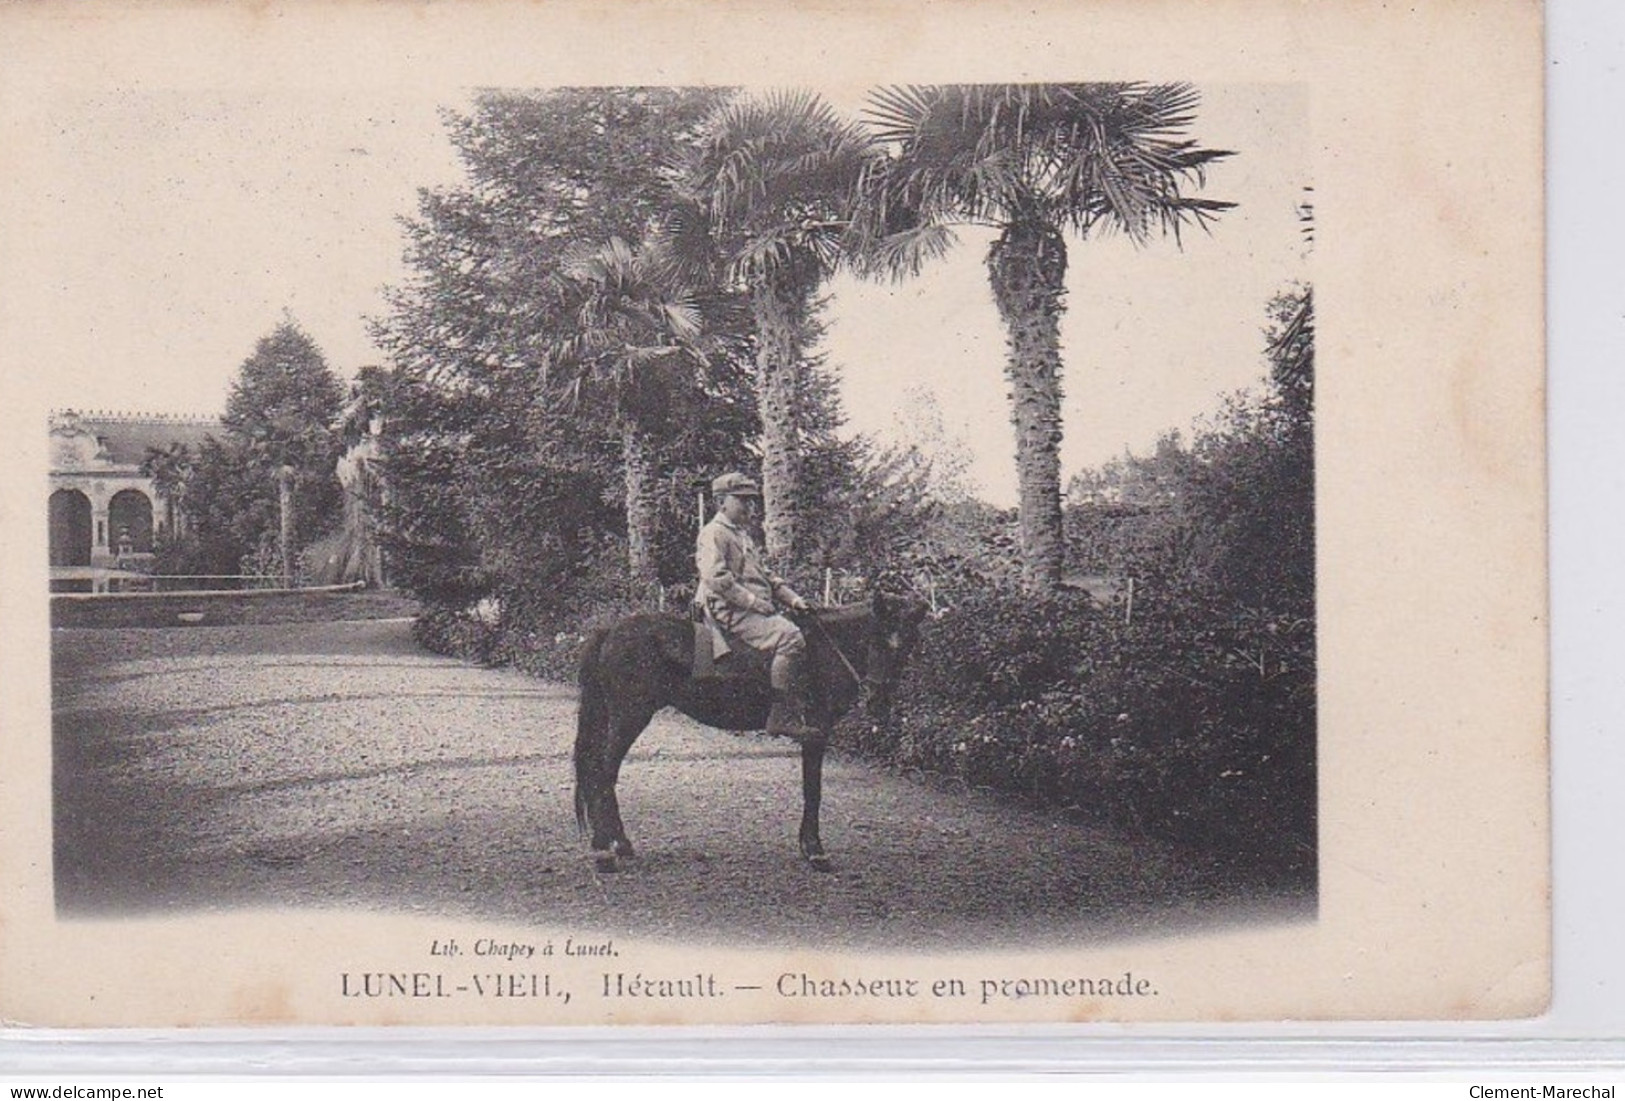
{"x":892,"y":636}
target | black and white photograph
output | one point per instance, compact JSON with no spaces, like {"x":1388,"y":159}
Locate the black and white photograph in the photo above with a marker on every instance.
{"x":699,"y":542}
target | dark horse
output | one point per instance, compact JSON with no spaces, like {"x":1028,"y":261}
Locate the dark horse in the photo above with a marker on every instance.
{"x":643,"y":663}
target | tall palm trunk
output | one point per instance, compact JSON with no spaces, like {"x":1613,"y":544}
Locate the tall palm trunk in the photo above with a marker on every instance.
{"x":1027,"y":270}
{"x":642,"y":513}
{"x":778,"y":309}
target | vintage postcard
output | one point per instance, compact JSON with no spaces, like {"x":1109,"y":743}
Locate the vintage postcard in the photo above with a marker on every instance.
{"x":736,"y":513}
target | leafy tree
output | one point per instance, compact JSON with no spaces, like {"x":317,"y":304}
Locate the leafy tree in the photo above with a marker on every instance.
{"x":427,"y":524}
{"x":1133,"y":517}
{"x":774,"y":180}
{"x":285,"y":398}
{"x":488,"y":333}
{"x":1291,"y":350}
{"x":1034,"y":162}
{"x":872,"y":507}
{"x":548,"y":173}
{"x":1258,"y":501}
{"x":230,"y":516}
{"x":574,"y":165}
{"x":1229,"y":518}
{"x":948,"y":457}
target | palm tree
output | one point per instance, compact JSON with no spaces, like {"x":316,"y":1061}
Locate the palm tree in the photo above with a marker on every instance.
{"x":636,"y":336}
{"x":773,"y":180}
{"x":1033,"y":162}
{"x":169,"y":468}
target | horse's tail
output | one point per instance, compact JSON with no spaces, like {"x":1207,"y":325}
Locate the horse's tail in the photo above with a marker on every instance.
{"x":592,"y":721}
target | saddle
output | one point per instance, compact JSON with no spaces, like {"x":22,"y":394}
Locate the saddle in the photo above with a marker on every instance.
{"x":715,"y":655}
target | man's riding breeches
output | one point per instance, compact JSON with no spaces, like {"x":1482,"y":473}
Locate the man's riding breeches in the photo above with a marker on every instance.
{"x":773,"y":634}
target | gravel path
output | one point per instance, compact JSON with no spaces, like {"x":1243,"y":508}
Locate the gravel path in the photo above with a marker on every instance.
{"x":336,"y":764}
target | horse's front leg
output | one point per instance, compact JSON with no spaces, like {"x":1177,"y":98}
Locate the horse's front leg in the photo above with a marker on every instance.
{"x":812,"y":794}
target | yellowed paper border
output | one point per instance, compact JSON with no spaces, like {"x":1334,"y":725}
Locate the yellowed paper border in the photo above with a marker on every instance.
{"x":1426,"y":125}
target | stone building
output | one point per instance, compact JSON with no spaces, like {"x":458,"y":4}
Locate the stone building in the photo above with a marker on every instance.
{"x":104,"y":513}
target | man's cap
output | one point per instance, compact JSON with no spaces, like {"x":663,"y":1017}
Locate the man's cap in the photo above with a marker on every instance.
{"x":735,"y":485}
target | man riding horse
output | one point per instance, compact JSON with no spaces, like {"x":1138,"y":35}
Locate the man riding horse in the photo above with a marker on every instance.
{"x":634,"y":667}
{"x":744,"y":598}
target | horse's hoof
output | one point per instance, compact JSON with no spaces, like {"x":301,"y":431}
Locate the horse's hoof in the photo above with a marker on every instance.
{"x":623,"y":847}
{"x":816,"y":858}
{"x":605,"y":862}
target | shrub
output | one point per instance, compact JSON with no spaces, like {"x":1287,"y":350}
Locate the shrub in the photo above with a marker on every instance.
{"x":1201,"y":733}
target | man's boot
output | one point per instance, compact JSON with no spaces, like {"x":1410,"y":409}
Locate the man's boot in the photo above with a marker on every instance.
{"x":789,"y":715}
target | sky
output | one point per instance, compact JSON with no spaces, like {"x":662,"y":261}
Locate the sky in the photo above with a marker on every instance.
{"x":170,"y":231}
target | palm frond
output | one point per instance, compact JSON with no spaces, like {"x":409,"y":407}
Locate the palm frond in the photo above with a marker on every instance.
{"x":627,"y":316}
{"x":906,"y":252}
{"x":896,"y":114}
{"x":683,"y":319}
{"x":681,"y":250}
{"x":1107,"y":155}
{"x":756,"y":255}
{"x":773,"y":173}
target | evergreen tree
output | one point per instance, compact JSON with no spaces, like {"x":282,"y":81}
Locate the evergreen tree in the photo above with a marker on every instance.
{"x":283,"y":411}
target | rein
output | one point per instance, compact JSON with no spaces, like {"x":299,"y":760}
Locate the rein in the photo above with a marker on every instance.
{"x":862,"y":681}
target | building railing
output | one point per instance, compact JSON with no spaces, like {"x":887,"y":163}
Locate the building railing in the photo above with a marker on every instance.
{"x":255,"y":591}
{"x":112,"y":581}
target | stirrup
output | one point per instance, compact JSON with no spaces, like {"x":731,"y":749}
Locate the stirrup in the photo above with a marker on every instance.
{"x":787,"y":720}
